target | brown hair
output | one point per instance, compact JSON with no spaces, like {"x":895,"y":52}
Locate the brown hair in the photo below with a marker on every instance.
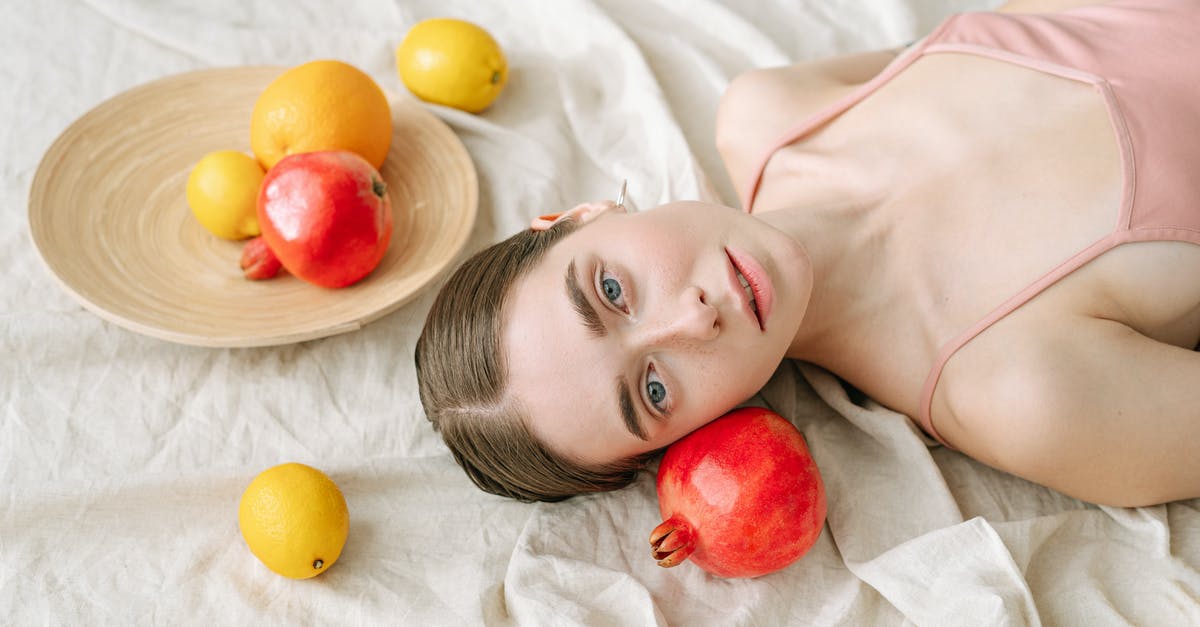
{"x":462,"y":378}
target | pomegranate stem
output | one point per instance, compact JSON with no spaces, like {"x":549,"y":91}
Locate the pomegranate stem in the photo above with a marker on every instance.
{"x":672,"y":542}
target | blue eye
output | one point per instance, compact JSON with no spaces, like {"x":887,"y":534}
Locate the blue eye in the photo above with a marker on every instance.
{"x":655,"y":390}
{"x":611,"y":290}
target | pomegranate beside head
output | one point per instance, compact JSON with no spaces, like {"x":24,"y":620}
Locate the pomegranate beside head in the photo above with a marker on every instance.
{"x":740,"y":496}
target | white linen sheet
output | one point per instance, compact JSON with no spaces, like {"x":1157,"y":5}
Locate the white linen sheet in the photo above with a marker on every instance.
{"x":122,"y":457}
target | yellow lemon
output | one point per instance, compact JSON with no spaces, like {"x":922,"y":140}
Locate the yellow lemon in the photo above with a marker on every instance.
{"x":294,"y":519}
{"x":452,"y":62}
{"x":222,"y":191}
{"x":321,"y":105}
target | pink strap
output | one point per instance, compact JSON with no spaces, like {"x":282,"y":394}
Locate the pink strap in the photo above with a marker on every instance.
{"x":835,"y":109}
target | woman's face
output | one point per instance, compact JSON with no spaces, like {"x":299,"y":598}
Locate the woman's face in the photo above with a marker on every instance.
{"x":636,"y":329}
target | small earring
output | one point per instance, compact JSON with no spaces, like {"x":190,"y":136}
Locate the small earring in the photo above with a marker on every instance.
{"x":554,"y":217}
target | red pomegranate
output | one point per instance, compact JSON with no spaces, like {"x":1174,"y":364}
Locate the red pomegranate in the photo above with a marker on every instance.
{"x":740,"y":496}
{"x":258,"y":262}
{"x":326,"y":216}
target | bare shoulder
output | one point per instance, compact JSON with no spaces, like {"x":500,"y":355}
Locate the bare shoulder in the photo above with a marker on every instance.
{"x":1084,"y":405}
{"x":1043,"y":6}
{"x":761,"y":104}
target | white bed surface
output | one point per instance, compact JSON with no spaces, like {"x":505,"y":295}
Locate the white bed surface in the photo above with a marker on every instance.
{"x":123,"y":457}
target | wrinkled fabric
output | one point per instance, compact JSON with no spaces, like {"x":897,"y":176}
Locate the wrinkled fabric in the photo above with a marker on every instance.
{"x":122,"y":457}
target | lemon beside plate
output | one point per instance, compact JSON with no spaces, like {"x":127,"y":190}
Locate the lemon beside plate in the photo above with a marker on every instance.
{"x":452,"y":62}
{"x":294,"y":519}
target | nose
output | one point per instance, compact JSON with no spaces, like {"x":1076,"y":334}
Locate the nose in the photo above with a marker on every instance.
{"x":689,"y":318}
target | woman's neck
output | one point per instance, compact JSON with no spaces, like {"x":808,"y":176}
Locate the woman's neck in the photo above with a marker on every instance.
{"x":836,"y":208}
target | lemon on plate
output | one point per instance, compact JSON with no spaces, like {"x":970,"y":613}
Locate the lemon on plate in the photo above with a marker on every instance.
{"x":452,"y":62}
{"x":294,"y":519}
{"x":222,"y":191}
{"x":321,"y":105}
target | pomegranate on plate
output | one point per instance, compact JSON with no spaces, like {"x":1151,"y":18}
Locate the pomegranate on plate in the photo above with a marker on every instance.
{"x":326,"y":216}
{"x":740,"y":496}
{"x":258,"y":262}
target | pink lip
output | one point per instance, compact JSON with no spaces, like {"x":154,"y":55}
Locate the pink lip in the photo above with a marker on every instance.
{"x":760,"y":284}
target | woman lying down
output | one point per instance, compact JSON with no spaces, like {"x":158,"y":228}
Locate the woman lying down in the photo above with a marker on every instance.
{"x":993,"y":231}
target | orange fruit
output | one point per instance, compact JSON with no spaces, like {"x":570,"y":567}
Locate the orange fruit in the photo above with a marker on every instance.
{"x":321,"y":105}
{"x":294,"y":519}
{"x":453,"y":63}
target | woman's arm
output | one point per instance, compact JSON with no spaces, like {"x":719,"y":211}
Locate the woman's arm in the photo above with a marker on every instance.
{"x":1089,"y":407}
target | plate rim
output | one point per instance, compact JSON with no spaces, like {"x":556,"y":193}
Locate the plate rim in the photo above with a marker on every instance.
{"x":39,"y":186}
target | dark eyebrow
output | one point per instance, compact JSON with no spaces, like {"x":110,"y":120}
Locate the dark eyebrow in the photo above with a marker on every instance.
{"x":628,"y":413}
{"x":595,"y":326}
{"x":582,"y":305}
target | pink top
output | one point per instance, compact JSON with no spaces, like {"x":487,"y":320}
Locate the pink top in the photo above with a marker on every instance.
{"x":1144,"y":57}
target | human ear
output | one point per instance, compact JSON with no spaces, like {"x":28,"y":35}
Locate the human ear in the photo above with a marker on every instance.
{"x":583,"y":213}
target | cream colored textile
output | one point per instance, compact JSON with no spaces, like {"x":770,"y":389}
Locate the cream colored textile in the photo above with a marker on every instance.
{"x":122,"y":457}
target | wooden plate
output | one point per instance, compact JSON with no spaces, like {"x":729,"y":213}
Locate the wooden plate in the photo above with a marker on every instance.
{"x":108,"y":214}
